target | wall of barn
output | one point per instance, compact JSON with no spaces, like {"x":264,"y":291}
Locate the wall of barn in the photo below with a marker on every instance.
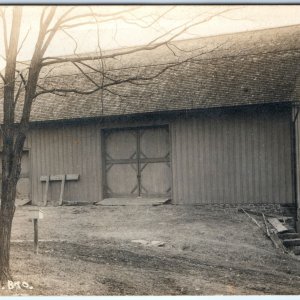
{"x":71,"y":149}
{"x":217,"y":158}
{"x":232,"y":158}
{"x":66,"y":149}
{"x":296,"y":120}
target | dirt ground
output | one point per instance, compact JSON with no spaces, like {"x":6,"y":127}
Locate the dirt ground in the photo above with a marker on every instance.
{"x":88,"y":250}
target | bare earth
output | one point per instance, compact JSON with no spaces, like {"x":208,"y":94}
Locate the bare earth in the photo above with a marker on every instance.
{"x":88,"y":250}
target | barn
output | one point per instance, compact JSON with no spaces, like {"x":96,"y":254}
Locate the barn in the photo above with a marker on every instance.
{"x":221,"y":129}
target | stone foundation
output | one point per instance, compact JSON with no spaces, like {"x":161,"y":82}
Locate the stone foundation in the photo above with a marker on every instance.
{"x":273,"y":209}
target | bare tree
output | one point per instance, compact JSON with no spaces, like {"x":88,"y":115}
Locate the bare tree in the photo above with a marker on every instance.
{"x":21,"y":87}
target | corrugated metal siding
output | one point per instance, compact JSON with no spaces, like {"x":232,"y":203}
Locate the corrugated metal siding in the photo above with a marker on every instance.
{"x":66,"y":150}
{"x":234,"y":158}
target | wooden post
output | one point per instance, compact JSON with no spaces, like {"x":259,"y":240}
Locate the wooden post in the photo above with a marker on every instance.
{"x":46,"y":190}
{"x":62,"y":188}
{"x":63,"y":178}
{"x":36,"y":235}
{"x":35,"y":214}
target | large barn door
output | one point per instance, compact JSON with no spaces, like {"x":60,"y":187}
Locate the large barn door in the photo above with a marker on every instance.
{"x":154,"y":162}
{"x":121,"y":163}
{"x":137,"y":162}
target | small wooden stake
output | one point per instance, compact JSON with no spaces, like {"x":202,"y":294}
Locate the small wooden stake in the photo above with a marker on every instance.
{"x":251,"y":218}
{"x":36,"y":235}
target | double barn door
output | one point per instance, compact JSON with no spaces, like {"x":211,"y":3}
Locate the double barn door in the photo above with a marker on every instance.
{"x":137,"y":162}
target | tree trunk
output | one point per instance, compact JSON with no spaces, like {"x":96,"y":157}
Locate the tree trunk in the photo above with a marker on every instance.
{"x":11,"y":169}
{"x":6,"y":216}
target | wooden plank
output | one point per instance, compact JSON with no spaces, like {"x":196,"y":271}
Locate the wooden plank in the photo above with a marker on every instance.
{"x":21,"y":202}
{"x":291,"y":242}
{"x":62,"y":188}
{"x":289,"y":235}
{"x":46,"y":191}
{"x":56,"y":177}
{"x":279,"y":227}
{"x":35,"y":213}
{"x":60,"y":177}
{"x":133,"y":201}
{"x":44,"y":178}
{"x":273,"y":237}
{"x":36,"y":235}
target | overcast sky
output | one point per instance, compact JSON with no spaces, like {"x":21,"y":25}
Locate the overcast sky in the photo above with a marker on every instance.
{"x":117,"y":34}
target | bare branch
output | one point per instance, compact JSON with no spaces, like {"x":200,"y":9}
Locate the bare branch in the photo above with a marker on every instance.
{"x":44,"y":28}
{"x":96,"y":21}
{"x":65,"y":91}
{"x":102,"y":65}
{"x":45,"y":91}
{"x":3,"y":57}
{"x":150,"y":46}
{"x":22,"y":82}
{"x":188,"y":25}
{"x":96,"y":15}
{"x":45,"y":76}
{"x":114,"y":93}
{"x":136,"y":80}
{"x":154,"y":19}
{"x":24,"y":39}
{"x":183,"y":50}
{"x":63,"y":21}
{"x":42,"y":16}
{"x":2,"y":77}
{"x":86,"y":75}
{"x":22,"y":79}
{"x":88,"y":66}
{"x":72,"y":38}
{"x":171,"y":49}
{"x":5,"y":37}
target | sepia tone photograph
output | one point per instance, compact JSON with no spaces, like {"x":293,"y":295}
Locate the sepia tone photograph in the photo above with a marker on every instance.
{"x":149,"y":150}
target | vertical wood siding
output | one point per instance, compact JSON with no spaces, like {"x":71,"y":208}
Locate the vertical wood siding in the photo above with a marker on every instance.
{"x":66,"y":150}
{"x":70,"y":149}
{"x":234,"y":158}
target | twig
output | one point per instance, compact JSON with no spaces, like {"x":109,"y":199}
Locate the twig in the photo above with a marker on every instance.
{"x":250,"y":217}
{"x":8,"y":276}
{"x":256,"y":213}
{"x":267,"y":228}
{"x":273,"y":237}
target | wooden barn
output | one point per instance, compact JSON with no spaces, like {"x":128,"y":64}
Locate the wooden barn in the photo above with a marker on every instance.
{"x":222,"y":128}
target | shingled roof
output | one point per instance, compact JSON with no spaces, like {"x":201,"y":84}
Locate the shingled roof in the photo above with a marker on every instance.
{"x":237,"y":69}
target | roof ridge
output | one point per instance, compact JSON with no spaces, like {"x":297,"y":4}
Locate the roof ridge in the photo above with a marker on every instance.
{"x":295,"y":50}
{"x":233,"y":34}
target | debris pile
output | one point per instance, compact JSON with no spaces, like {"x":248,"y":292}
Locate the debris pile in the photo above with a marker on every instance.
{"x":283,"y":236}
